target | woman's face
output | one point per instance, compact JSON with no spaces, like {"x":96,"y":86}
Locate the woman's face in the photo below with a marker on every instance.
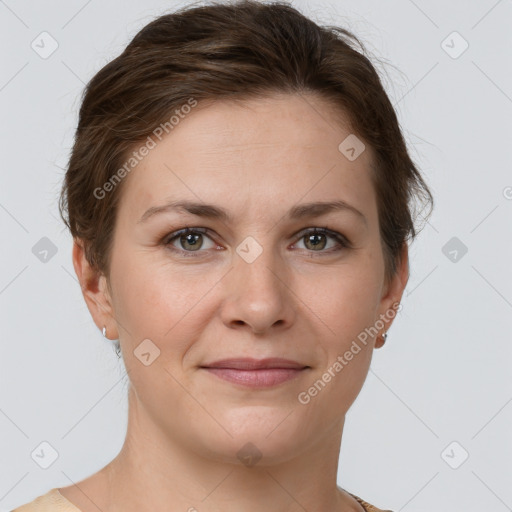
{"x":253,"y":283}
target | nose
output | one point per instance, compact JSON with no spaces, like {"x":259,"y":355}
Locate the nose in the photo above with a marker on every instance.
{"x":258,"y":295}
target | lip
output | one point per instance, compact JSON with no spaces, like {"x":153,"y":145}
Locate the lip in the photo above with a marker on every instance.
{"x":256,"y":373}
{"x":249,"y":363}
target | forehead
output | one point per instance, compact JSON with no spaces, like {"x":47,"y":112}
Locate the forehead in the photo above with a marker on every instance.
{"x":263,"y":154}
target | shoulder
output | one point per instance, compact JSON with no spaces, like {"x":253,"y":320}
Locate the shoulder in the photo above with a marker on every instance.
{"x":52,"y":501}
{"x":367,"y":506}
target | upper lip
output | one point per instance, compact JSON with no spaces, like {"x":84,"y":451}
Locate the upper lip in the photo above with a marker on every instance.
{"x":248,"y":363}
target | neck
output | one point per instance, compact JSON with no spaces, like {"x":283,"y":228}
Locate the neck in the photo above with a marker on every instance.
{"x":181,"y":477}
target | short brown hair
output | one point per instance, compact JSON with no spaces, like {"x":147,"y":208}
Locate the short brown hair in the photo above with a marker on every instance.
{"x":221,"y":51}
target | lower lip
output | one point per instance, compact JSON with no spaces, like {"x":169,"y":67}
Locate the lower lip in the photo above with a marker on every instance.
{"x":256,"y":378}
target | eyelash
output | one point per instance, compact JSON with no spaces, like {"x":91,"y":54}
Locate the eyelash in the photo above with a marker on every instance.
{"x":343,"y":242}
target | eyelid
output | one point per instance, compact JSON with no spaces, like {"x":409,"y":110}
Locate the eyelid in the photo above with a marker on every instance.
{"x":325,"y":231}
{"x":170,"y":237}
{"x":342,"y":240}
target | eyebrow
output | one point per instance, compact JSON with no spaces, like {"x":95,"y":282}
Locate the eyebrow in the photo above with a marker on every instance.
{"x":307,"y":210}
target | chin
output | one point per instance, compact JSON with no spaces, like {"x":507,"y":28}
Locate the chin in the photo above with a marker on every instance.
{"x":257,"y":439}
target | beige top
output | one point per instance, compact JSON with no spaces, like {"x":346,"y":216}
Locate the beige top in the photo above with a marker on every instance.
{"x":54,"y":501}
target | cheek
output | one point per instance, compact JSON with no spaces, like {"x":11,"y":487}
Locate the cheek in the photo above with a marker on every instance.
{"x":347,"y":309}
{"x":346,"y":300}
{"x":162,"y":302}
{"x":352,"y":303}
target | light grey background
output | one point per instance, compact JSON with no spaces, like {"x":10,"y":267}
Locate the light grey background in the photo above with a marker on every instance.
{"x":444,"y":374}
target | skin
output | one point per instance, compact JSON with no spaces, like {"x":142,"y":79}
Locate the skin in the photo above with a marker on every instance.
{"x":257,"y":159}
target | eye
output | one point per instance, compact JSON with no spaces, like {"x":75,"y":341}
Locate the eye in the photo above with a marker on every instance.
{"x":189,"y":240}
{"x":315,"y":240}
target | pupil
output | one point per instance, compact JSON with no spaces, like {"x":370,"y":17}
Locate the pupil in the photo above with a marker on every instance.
{"x":192,"y":239}
{"x":314,"y":239}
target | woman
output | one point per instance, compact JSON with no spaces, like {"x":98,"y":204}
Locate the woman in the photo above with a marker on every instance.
{"x":239,"y":194}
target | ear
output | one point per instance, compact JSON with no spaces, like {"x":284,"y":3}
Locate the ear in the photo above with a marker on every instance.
{"x":95,"y":291}
{"x":393,"y":294}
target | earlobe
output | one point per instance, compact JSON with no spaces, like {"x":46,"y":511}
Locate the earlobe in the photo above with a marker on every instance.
{"x":379,"y":342}
{"x":94,"y":290}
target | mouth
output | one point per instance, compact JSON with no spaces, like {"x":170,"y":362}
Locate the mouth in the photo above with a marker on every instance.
{"x":256,"y":373}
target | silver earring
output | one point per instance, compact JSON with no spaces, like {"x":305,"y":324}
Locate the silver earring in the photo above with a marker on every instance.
{"x":104,"y":331}
{"x":384,"y":336}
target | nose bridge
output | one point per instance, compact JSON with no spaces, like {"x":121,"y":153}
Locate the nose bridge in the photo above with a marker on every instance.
{"x":257,"y":294}
{"x":258,"y":265}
